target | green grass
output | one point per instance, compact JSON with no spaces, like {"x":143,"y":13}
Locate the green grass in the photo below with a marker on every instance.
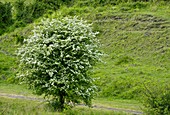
{"x":93,"y":111}
{"x":137,"y":49}
{"x":15,"y":89}
{"x":19,"y":106}
{"x":21,"y":90}
{"x":118,"y":103}
{"x":8,"y":59}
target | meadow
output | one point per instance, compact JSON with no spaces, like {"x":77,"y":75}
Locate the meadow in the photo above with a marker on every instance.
{"x":135,"y":37}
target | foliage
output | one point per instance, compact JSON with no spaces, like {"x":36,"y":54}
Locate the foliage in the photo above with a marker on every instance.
{"x":25,"y":13}
{"x":5,"y":13}
{"x":28,"y":12}
{"x":20,"y":9}
{"x":57,"y":58}
{"x":5,"y":16}
{"x":50,"y":4}
{"x":157,"y":99}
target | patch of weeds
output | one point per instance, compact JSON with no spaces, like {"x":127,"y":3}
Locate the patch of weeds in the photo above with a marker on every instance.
{"x":124,"y":60}
{"x":157,"y":98}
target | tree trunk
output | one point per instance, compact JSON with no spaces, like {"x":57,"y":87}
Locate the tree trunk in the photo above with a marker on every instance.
{"x":61,"y":102}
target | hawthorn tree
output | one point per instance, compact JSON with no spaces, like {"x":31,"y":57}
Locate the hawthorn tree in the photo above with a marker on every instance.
{"x":57,"y":58}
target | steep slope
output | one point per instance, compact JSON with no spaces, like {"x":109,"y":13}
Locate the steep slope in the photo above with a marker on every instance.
{"x":135,"y":39}
{"x":138,"y":51}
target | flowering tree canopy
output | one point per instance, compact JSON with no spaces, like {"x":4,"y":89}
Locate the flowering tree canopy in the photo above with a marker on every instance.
{"x":57,"y":58}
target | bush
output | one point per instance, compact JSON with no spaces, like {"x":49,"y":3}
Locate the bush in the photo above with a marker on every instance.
{"x":20,"y":9}
{"x":29,"y":12}
{"x":50,"y":4}
{"x":157,"y":99}
{"x":56,"y":61}
{"x":5,"y":13}
{"x":5,"y":16}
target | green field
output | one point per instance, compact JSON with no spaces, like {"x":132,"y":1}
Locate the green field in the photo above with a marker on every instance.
{"x":135,"y":38}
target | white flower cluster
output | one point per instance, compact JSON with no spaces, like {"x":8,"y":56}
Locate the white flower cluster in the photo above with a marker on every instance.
{"x":58,"y":56}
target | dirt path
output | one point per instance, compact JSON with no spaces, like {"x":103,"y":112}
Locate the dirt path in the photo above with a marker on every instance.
{"x":134,"y":112}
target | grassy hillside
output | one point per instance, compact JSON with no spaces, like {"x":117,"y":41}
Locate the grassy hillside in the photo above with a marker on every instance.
{"x":134,"y":36}
{"x":137,"y":44}
{"x":135,"y":39}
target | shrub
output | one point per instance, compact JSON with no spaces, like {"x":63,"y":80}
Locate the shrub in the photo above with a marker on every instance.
{"x":56,"y":61}
{"x":27,"y":12}
{"x":5,"y":16}
{"x":50,"y":4}
{"x":21,"y":11}
{"x":5,"y":13}
{"x":157,"y":99}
